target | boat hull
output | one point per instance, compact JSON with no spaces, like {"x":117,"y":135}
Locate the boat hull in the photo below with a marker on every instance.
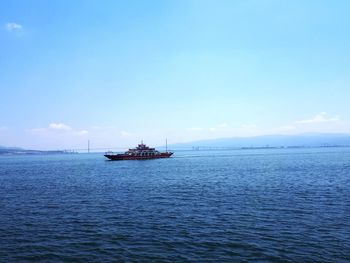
{"x":120,"y":157}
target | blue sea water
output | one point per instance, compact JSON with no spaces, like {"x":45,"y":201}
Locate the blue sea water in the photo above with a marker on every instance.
{"x":275,"y":205}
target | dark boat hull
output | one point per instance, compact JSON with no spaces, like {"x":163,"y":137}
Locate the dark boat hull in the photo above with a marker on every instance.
{"x":120,"y":157}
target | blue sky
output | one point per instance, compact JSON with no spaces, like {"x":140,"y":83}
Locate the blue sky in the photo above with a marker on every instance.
{"x":116,"y":72}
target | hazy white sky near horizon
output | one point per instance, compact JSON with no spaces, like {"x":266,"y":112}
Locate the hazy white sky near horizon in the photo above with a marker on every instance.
{"x":116,"y":72}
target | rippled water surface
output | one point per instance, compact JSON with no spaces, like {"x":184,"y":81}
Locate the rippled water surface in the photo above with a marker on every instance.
{"x":244,"y":205}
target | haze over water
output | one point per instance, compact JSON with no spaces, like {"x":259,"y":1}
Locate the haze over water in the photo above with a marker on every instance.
{"x":280,"y":205}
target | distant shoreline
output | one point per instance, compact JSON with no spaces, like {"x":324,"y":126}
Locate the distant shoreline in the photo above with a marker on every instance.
{"x":6,"y":152}
{"x":197,"y":148}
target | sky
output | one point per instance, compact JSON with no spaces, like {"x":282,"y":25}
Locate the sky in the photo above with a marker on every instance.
{"x":116,"y":72}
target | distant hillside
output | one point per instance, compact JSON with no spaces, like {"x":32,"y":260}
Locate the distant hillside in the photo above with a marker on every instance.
{"x":10,"y":148}
{"x":20,"y":151}
{"x":302,"y":140}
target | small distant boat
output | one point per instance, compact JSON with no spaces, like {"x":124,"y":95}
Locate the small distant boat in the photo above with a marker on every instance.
{"x":141,"y":152}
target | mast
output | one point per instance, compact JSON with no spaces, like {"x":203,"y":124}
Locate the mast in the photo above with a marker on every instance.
{"x":166,"y":145}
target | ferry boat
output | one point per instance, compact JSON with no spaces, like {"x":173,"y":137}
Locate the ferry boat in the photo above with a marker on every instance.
{"x":141,"y":152}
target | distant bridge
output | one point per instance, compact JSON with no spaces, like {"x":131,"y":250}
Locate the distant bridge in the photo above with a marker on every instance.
{"x":182,"y":148}
{"x":196,"y":148}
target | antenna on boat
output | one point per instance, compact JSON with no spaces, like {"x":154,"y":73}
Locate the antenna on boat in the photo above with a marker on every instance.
{"x":166,"y":145}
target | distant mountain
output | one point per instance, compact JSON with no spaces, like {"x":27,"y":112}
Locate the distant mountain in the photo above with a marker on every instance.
{"x":301,"y":140}
{"x":20,"y":151}
{"x":10,"y":148}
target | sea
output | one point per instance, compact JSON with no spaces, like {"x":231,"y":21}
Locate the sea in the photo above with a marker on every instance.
{"x":252,"y":205}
